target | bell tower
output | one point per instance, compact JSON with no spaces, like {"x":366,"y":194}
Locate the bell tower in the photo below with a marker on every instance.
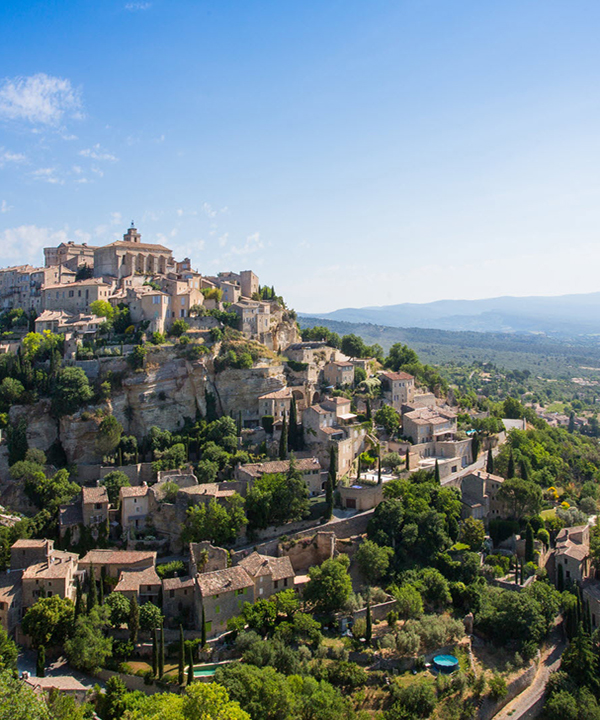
{"x":132,"y":235}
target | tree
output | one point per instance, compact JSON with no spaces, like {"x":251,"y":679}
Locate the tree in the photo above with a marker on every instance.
{"x":40,"y":662}
{"x":522,"y":497}
{"x":409,"y":603}
{"x":388,"y":418}
{"x":178,"y":328}
{"x":119,"y":608}
{"x":113,"y":703}
{"x":294,"y":429}
{"x":18,"y":701}
{"x":150,"y":617}
{"x":510,"y":473}
{"x":489,"y":467}
{"x":102,"y":308}
{"x":472,"y":532}
{"x":579,"y":661}
{"x":206,"y":471}
{"x":277,"y":498}
{"x":113,"y":482}
{"x":92,"y":597}
{"x":369,"y":624}
{"x":283,"y":440}
{"x":373,"y":561}
{"x":190,"y":674}
{"x":11,"y":391}
{"x":329,"y":586}
{"x":154,"y":654}
{"x":261,"y":692}
{"x":8,"y":652}
{"x":49,"y":621}
{"x":109,"y":435}
{"x":353,"y":346}
{"x":215,"y":522}
{"x":181,"y":668}
{"x":89,"y":647}
{"x":71,"y":391}
{"x":529,"y":540}
{"x":134,"y":619}
{"x":203,"y":629}
{"x":400,"y":356}
{"x":436,"y":474}
{"x":161,"y":653}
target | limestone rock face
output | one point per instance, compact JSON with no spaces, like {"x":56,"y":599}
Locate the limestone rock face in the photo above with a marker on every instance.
{"x":239,"y":389}
{"x":78,"y":438}
{"x":42,"y":428}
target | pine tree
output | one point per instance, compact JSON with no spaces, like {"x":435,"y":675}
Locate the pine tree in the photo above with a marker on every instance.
{"x":436,"y":475}
{"x":78,"y":598}
{"x":203,"y":629}
{"x":529,"y":543}
{"x":161,"y":653}
{"x":154,"y":654}
{"x":92,"y":598}
{"x":190,"y":675}
{"x":490,"y":462}
{"x":511,"y":465}
{"x":181,"y":673}
{"x":369,"y":626}
{"x":407,"y":459}
{"x":40,"y":662}
{"x":134,"y":619}
{"x":283,"y":440}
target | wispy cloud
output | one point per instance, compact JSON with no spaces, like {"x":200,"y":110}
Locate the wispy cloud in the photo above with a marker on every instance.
{"x":26,"y":242}
{"x":97,"y":153}
{"x":6,"y":156}
{"x":253,"y":244}
{"x":137,"y":6}
{"x":47,"y":175}
{"x":5,"y":207}
{"x":39,"y":99}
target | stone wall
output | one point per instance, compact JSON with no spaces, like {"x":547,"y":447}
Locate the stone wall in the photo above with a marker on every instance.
{"x":490,"y":708}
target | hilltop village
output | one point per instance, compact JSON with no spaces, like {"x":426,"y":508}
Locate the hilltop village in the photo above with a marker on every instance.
{"x":186,"y":478}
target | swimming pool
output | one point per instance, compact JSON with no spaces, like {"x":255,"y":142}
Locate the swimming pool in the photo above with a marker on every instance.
{"x":445,"y":663}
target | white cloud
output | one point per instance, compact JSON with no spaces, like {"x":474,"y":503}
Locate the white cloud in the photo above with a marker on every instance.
{"x":5,"y":207}
{"x":48,"y":175}
{"x":97,"y":153}
{"x":26,"y":242}
{"x":136,"y":6}
{"x":253,"y":244}
{"x":39,"y":99}
{"x":179,"y":212}
{"x":6,"y":156}
{"x":208,"y":210}
{"x":223,"y":239}
{"x":116,"y":218}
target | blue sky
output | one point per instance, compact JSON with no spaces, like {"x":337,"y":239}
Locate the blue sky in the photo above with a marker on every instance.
{"x":351,"y":153}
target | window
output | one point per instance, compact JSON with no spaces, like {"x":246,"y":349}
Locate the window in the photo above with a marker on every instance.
{"x":156,"y":299}
{"x":71,"y":293}
{"x":285,"y":580}
{"x":241,"y":591}
{"x":276,"y":584}
{"x":217,"y":609}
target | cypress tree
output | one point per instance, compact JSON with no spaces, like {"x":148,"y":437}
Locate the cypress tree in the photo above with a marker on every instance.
{"x":161,"y":653}
{"x":523,"y":469}
{"x":293,"y":429}
{"x":358,"y":464}
{"x":511,"y":465}
{"x":368,"y":411}
{"x":283,"y":440}
{"x":78,"y":598}
{"x":154,"y":654}
{"x":134,"y":619}
{"x":40,"y":662}
{"x":190,"y":675}
{"x":571,"y":427}
{"x":407,"y":459}
{"x":181,"y":673}
{"x":379,"y":467}
{"x":516,"y":571}
{"x":560,"y":579}
{"x":490,"y":461}
{"x":436,"y":475}
{"x":529,"y":543}
{"x":203,"y":629}
{"x":475,"y":446}
{"x":369,"y":626}
{"x":520,"y":572}
{"x":102,"y":576}
{"x":92,"y":598}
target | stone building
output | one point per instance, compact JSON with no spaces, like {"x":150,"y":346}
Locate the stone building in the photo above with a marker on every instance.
{"x":398,"y":388}
{"x":478,"y":495}
{"x":56,"y":575}
{"x":339,"y":373}
{"x":70,"y":255}
{"x":21,"y":286}
{"x":131,"y":256}
{"x":276,"y":403}
{"x":222,"y":594}
{"x":76,"y":297}
{"x":310,"y":468}
{"x":572,"y":552}
{"x":255,"y":318}
{"x":11,"y":600}
{"x":143,"y":583}
{"x":424,"y":425}
{"x":135,"y":502}
{"x":270,"y":574}
{"x":115,"y":562}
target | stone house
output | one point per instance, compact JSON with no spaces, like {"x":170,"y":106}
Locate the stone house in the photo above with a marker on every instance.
{"x":54,"y":576}
{"x":146,"y":305}
{"x":63,"y":684}
{"x":58,"y":321}
{"x":360,"y":496}
{"x":424,"y":425}
{"x":76,"y":297}
{"x":572,"y":552}
{"x":11,"y":600}
{"x":24,"y":553}
{"x":270,"y":574}
{"x":255,"y":318}
{"x":398,"y":388}
{"x":276,"y":403}
{"x":134,"y":501}
{"x":311,"y":352}
{"x":90,"y":509}
{"x":115,"y":562}
{"x":143,"y":583}
{"x":310,"y":468}
{"x":70,"y":255}
{"x":591,"y":597}
{"x":246,"y":280}
{"x":131,"y":256}
{"x":478,"y":495}
{"x":222,"y":594}
{"x":339,"y":373}
{"x":178,"y":597}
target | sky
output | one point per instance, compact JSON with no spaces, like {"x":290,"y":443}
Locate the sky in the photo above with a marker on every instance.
{"x":351,"y":153}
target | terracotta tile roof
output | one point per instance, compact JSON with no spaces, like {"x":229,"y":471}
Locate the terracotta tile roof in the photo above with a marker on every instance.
{"x":221,"y":581}
{"x":66,"y":683}
{"x":134,"y":491}
{"x":10,"y":585}
{"x":331,"y":431}
{"x":397,"y":376}
{"x":177,"y":583}
{"x":285,"y":392}
{"x":94,"y":494}
{"x":280,"y":466}
{"x":80,"y":283}
{"x":61,"y":569}
{"x":118,"y":557}
{"x":130,"y":580}
{"x":129,"y":245}
{"x":70,"y":514}
{"x":22,"y":543}
{"x":277,"y":567}
{"x":208,"y":489}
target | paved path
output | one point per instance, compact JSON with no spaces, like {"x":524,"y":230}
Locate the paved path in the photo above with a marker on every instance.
{"x":526,"y":700}
{"x":55,"y":668}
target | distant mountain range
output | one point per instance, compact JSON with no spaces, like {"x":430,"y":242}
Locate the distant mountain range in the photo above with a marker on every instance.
{"x":562,"y":316}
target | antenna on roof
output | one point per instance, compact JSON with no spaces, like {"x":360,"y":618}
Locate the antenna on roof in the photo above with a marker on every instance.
{"x":132,"y":224}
